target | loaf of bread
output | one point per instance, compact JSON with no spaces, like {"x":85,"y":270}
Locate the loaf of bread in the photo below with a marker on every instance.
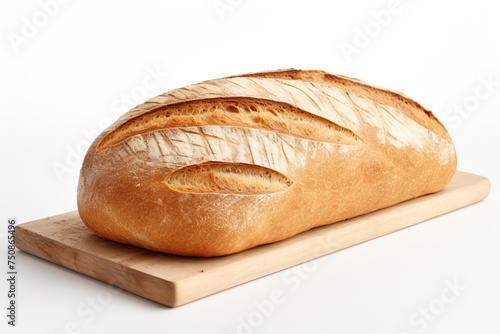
{"x":229,"y":164}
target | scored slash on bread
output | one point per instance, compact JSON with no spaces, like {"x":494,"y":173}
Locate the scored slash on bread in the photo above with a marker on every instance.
{"x":242,"y":111}
{"x":229,"y":164}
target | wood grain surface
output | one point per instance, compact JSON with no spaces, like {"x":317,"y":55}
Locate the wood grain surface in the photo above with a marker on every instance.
{"x":176,"y":280}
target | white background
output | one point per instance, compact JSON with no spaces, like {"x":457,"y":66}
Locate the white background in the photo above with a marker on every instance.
{"x":65,"y":73}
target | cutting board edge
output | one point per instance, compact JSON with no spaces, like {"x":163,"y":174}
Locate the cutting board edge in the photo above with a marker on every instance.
{"x":166,"y":297}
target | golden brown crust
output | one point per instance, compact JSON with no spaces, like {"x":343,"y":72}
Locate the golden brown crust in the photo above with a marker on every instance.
{"x":380,"y":95}
{"x":228,"y":164}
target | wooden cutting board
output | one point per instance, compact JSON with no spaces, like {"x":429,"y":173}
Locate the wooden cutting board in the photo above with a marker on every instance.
{"x":176,"y":280}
